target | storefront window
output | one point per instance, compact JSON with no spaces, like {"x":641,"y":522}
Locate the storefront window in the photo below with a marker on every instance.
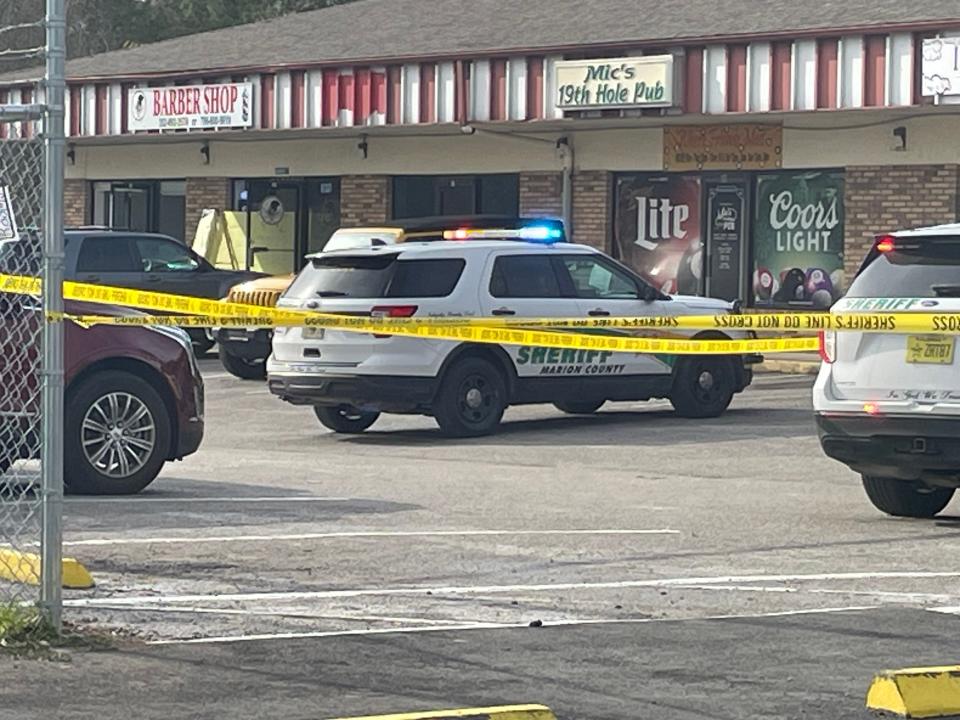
{"x":657,"y":230}
{"x":142,"y":206}
{"x":772,"y":239}
{"x":798,"y":239}
{"x":430,"y":195}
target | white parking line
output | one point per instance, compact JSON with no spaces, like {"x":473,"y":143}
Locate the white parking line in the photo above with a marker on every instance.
{"x":493,"y":589}
{"x":270,"y":499}
{"x":904,"y":596}
{"x":496,"y":626}
{"x":190,"y":610}
{"x":354,"y":534}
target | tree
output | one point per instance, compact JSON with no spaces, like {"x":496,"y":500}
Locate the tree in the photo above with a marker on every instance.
{"x":96,"y":26}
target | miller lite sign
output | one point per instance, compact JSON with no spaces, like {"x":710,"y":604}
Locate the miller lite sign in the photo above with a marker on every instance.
{"x":658,"y":230}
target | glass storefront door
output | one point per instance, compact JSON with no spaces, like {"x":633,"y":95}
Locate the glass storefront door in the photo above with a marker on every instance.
{"x":141,"y":206}
{"x":284,"y":220}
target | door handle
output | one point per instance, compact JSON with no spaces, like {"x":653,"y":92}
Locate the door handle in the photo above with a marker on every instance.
{"x":92,"y":279}
{"x":154,"y":278}
{"x":598,"y":313}
{"x":504,"y":311}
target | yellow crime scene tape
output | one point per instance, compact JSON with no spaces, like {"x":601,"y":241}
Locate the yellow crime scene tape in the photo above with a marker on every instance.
{"x":199,"y":312}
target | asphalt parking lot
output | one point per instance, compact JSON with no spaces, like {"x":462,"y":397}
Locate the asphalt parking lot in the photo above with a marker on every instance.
{"x":669,"y":568}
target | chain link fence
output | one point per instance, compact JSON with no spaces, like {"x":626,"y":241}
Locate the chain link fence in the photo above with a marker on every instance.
{"x":21,"y":330}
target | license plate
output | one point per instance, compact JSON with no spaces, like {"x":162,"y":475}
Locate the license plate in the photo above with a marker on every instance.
{"x":930,"y":350}
{"x":313,"y":333}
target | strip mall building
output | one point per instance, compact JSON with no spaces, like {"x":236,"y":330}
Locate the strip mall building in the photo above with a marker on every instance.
{"x":749,"y":155}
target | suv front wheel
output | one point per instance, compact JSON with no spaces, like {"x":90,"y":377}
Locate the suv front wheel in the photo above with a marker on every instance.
{"x":471,"y":399}
{"x":902,"y":498}
{"x":117,"y":435}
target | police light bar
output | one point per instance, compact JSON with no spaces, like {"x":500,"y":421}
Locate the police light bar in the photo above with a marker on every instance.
{"x":533,"y":233}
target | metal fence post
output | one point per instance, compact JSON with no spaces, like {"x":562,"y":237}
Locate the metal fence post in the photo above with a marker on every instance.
{"x":51,"y":595}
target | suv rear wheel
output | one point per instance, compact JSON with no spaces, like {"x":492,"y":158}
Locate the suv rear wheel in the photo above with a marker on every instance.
{"x":345,"y":419}
{"x":702,"y":386}
{"x":903,"y":498}
{"x":471,"y":399}
{"x":117,"y":435}
{"x":241,"y":367}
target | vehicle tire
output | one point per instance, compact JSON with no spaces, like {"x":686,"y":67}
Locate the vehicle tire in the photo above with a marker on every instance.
{"x":702,"y":386}
{"x":471,"y":399}
{"x":902,"y":498}
{"x":241,"y":367}
{"x":579,"y":407}
{"x":117,"y":435}
{"x":345,"y":419}
{"x":201,"y":341}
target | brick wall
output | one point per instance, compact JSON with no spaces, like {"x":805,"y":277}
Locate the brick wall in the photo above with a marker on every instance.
{"x":592,"y":208}
{"x":364,"y":200}
{"x":76,"y":203}
{"x":541,"y":194}
{"x":204,"y":194}
{"x":887,"y":198}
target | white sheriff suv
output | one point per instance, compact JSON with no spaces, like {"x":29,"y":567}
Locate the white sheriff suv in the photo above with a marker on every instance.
{"x":888,"y":405}
{"x":350,"y":378}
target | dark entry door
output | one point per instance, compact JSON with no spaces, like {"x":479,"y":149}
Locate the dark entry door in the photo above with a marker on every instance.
{"x":133,"y":206}
{"x":726,"y":228}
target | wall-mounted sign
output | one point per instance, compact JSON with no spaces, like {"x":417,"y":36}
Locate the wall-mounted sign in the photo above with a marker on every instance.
{"x":8,"y":221}
{"x":798,"y":239}
{"x":941,"y":66}
{"x":190,"y":107}
{"x":725,"y":228}
{"x":632,"y":82}
{"x":722,"y":147}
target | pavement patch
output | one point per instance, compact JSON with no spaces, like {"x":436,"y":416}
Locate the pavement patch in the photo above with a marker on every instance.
{"x":22,"y":567}
{"x":505,"y":712}
{"x":925,"y":692}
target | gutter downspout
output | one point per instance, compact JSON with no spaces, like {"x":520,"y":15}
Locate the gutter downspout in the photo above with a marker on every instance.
{"x":568,"y":156}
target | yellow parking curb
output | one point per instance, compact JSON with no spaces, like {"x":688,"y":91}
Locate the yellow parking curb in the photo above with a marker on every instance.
{"x":506,"y":712}
{"x":24,"y":567}
{"x":929,"y":692}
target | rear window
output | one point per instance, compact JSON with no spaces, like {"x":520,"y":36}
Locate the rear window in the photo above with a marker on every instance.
{"x":929,"y":268}
{"x":384,"y":276}
{"x":356,"y":239}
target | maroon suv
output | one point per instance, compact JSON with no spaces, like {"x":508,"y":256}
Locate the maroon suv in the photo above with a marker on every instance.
{"x":133,"y":397}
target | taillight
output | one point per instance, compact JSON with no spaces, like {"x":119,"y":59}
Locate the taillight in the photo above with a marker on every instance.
{"x":828,"y":346}
{"x":886,"y":244}
{"x":392,"y":311}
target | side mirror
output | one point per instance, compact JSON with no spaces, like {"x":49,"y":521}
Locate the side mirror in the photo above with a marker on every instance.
{"x":650,"y":294}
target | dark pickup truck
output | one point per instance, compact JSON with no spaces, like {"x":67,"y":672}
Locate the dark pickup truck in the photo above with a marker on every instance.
{"x":142,"y":261}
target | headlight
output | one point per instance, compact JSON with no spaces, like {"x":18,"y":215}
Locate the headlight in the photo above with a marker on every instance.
{"x":182,"y":337}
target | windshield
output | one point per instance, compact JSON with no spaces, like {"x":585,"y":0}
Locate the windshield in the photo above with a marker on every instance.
{"x":930,"y":268}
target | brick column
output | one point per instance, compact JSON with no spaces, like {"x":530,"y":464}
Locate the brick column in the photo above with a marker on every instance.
{"x":76,"y":203}
{"x":204,"y":194}
{"x":364,"y":200}
{"x":895,"y":197}
{"x":541,"y":194}
{"x":593,"y":208}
